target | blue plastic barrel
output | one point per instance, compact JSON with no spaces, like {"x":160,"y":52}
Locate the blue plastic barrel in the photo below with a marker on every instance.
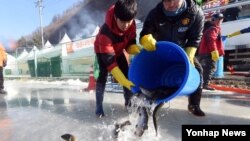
{"x":168,"y":66}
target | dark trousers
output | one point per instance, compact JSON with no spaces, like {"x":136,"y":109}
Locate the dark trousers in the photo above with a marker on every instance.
{"x":209,"y":67}
{"x":1,"y":78}
{"x":102,"y":79}
{"x":195,"y":98}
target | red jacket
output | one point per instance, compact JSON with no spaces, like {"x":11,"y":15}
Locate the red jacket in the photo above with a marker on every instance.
{"x":3,"y":56}
{"x":111,"y":41}
{"x":211,"y":41}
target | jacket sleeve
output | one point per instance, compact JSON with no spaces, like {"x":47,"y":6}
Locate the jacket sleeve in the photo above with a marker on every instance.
{"x":109,"y":60}
{"x":4,"y":56}
{"x":148,"y":25}
{"x":195,"y":31}
{"x":107,"y":54}
{"x":132,"y":37}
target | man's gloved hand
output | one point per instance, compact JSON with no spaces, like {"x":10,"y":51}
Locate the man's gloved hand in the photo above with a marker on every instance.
{"x":148,"y":42}
{"x":190,"y":51}
{"x":234,"y":34}
{"x":134,"y":49}
{"x":119,"y":76}
{"x":215,"y":55}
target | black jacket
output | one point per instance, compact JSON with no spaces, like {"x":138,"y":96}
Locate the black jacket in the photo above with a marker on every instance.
{"x":184,"y":29}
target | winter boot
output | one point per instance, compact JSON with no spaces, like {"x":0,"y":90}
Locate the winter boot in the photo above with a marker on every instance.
{"x":194,"y":103}
{"x":99,"y":99}
{"x":2,"y":91}
{"x":208,"y":88}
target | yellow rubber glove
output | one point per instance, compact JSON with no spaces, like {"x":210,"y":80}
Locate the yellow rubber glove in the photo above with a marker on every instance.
{"x":234,"y":34}
{"x":215,"y":55}
{"x":134,"y":49}
{"x":190,"y":51}
{"x":119,"y":76}
{"x":148,"y":42}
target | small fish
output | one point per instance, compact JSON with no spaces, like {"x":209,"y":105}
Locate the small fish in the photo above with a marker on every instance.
{"x":68,"y":137}
{"x":152,"y":95}
{"x":119,"y":127}
{"x":158,"y":93}
{"x":155,"y":111}
{"x":142,"y":123}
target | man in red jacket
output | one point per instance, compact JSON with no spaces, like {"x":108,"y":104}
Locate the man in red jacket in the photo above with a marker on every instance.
{"x":211,"y":48}
{"x":117,"y":34}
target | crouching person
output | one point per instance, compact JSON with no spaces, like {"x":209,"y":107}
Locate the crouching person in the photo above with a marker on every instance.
{"x":116,"y":34}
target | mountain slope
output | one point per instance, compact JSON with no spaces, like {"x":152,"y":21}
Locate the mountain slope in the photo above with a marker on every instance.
{"x":87,"y":16}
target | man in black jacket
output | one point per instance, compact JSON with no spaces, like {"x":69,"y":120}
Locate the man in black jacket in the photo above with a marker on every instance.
{"x":180,"y":22}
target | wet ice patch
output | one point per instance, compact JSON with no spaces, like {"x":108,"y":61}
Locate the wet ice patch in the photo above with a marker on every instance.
{"x":77,"y":82}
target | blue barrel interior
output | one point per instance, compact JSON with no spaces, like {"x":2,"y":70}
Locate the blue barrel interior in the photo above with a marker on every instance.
{"x":166,"y":67}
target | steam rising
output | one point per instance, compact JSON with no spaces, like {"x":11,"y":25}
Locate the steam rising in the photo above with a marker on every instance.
{"x":91,"y":16}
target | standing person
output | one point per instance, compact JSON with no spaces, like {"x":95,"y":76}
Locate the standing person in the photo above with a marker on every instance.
{"x":3,"y":63}
{"x":180,"y":22}
{"x":116,"y":34}
{"x":211,"y":48}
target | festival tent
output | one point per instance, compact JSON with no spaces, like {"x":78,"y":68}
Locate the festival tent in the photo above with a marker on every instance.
{"x":22,"y":63}
{"x":48,"y":44}
{"x":65,"y":39}
{"x":11,"y":67}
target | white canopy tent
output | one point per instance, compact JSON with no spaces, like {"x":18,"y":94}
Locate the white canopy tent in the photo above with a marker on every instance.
{"x":22,"y":56}
{"x":22,"y":64}
{"x":65,"y":39}
{"x":32,"y":54}
{"x":48,"y":44}
{"x":11,"y":67}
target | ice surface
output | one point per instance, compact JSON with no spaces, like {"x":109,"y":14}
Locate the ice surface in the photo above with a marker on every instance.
{"x":42,"y":111}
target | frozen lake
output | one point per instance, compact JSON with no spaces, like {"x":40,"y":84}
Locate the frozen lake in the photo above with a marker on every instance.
{"x":42,"y":111}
